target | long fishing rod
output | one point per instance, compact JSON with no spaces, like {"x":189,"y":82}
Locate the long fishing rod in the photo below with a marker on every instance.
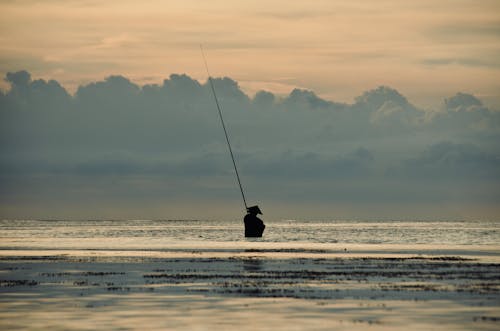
{"x":224,"y":127}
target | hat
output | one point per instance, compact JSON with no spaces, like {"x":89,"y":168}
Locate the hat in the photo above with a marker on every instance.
{"x":254,"y":210}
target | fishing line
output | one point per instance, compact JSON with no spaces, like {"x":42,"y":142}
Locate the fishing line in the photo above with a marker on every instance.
{"x":224,"y":127}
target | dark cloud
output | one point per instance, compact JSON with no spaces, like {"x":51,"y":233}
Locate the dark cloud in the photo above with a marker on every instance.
{"x":264,"y":100}
{"x":304,"y":99}
{"x":462,"y":162}
{"x":310,"y":165}
{"x":297,"y":147}
{"x":464,"y":113}
{"x":18,"y":79}
{"x":388,"y":107}
{"x":26,"y":92}
{"x":462,"y":102}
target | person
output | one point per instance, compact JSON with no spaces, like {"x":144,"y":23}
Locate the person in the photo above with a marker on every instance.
{"x":254,"y":227}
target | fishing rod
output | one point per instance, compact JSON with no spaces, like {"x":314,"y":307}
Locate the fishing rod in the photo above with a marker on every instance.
{"x":224,"y":127}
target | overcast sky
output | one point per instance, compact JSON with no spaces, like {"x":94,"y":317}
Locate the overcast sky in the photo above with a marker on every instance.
{"x":336,"y":109}
{"x":116,"y":149}
{"x":339,"y":48}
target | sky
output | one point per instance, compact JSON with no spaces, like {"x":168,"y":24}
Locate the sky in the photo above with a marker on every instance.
{"x":118,"y":150}
{"x":338,"y":48}
{"x":336,"y":109}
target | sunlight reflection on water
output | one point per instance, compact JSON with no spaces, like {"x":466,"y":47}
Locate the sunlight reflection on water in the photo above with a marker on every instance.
{"x":349,"y":232}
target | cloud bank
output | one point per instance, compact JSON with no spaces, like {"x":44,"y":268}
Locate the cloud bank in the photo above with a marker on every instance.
{"x":115,"y":149}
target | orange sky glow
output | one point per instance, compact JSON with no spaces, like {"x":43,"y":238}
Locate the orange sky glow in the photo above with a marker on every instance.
{"x":426,"y":49}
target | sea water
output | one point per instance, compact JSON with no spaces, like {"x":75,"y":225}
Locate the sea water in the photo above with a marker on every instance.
{"x":204,"y":275}
{"x":21,"y":233}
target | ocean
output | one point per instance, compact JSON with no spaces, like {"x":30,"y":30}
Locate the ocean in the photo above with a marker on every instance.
{"x":204,"y":275}
{"x":376,"y":232}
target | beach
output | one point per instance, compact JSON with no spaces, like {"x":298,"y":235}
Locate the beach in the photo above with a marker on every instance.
{"x":66,"y":282}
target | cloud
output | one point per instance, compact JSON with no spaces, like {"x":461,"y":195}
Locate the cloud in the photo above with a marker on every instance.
{"x":27,"y":93}
{"x":264,"y":99}
{"x":18,"y":79}
{"x":465,"y":113}
{"x":465,"y":61}
{"x":298,"y":147}
{"x":462,"y":102}
{"x":466,"y":30}
{"x":305,"y":99}
{"x":461,"y":162}
{"x":309,"y":165}
{"x":388,"y":107}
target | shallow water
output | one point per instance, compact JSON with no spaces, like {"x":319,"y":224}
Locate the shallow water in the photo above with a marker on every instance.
{"x":477,"y":232}
{"x":204,"y":275}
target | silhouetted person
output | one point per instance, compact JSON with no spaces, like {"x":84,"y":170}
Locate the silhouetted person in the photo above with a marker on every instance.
{"x":254,"y":227}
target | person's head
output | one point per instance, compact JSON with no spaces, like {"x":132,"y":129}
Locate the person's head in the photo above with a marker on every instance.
{"x":254,"y":210}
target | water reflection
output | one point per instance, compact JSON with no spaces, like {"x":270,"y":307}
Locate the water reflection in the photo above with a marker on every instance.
{"x":475,"y":232}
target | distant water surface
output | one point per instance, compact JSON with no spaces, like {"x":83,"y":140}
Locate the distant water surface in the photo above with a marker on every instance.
{"x":478,"y":232}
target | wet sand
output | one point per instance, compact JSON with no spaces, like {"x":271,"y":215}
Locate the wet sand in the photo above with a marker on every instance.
{"x":254,"y":287}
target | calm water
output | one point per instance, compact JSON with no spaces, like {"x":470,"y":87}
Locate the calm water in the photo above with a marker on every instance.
{"x":352,"y":232}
